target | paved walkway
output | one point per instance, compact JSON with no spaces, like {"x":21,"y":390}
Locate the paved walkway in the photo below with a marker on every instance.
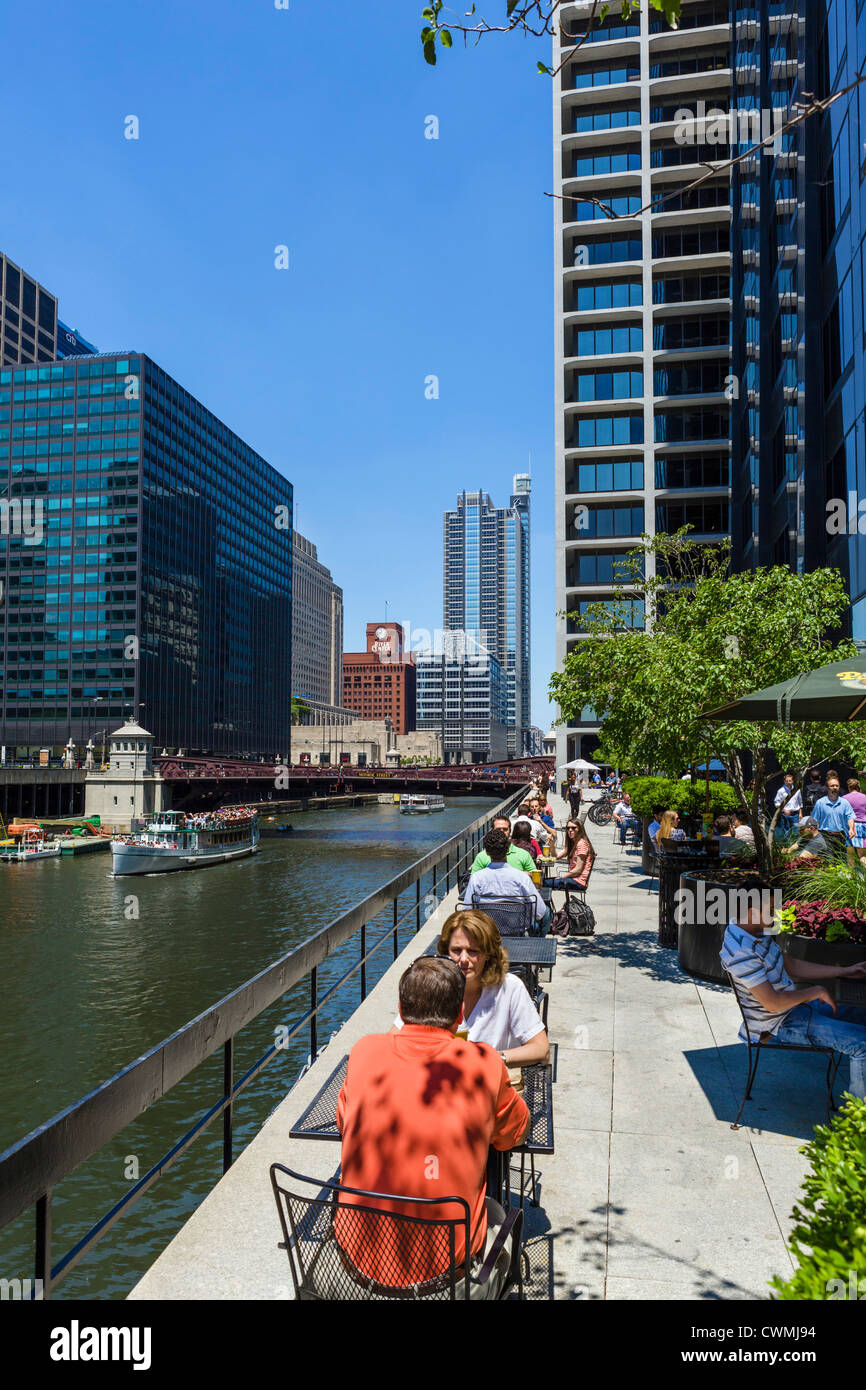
{"x":650,"y":1194}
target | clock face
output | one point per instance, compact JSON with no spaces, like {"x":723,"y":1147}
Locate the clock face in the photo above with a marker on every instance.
{"x":381,"y":632}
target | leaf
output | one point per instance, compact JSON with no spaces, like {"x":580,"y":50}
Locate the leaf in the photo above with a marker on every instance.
{"x":445,"y":38}
{"x":430,"y":53}
{"x":428,"y":35}
{"x":426,"y":14}
{"x":542,"y":67}
{"x":512,"y":6}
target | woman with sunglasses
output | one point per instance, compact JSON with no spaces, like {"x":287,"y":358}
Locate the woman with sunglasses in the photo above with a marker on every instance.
{"x":578,"y":853}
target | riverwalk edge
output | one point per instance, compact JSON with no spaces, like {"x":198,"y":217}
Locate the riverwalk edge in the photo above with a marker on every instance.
{"x":649,"y":1195}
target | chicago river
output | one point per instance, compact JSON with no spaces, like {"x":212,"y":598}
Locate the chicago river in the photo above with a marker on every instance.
{"x":97,"y":970}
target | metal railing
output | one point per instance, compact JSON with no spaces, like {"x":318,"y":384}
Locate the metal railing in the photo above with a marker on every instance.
{"x":32,"y":1168}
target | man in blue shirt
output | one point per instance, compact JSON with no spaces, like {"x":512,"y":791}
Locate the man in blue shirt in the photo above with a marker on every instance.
{"x":774,"y":1002}
{"x":834,"y":815}
{"x":654,"y":827}
{"x":499,"y":880}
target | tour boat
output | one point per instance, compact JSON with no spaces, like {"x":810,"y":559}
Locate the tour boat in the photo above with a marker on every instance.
{"x":172,"y":840}
{"x":32,"y":845}
{"x":420,"y":804}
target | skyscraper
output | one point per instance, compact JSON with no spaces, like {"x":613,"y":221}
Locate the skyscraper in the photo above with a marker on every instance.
{"x":486,"y":590}
{"x":642,"y":301}
{"x":30,"y":330}
{"x":799,"y":252}
{"x":146,"y":560}
{"x":317,"y":628}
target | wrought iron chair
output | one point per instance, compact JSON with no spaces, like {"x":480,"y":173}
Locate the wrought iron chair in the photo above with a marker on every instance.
{"x":567,"y":888}
{"x":767,"y":1043}
{"x":512,"y":916}
{"x":333,"y":1245}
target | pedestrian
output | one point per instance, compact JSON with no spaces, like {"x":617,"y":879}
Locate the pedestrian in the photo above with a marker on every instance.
{"x":857,"y":801}
{"x":834,"y":816}
{"x":791,"y":802}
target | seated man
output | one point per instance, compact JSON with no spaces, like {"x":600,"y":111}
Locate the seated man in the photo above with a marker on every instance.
{"x":728,"y":842}
{"x":418,"y":1112}
{"x":773,"y":1002}
{"x":499,"y":880}
{"x":810,"y":843}
{"x":654,"y":827}
{"x":624,"y":816}
{"x":518,"y":858}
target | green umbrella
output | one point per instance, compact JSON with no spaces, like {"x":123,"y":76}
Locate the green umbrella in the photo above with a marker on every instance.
{"x":834,"y":694}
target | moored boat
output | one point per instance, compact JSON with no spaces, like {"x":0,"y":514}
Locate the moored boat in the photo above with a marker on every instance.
{"x":33,"y":844}
{"x":171,"y":840}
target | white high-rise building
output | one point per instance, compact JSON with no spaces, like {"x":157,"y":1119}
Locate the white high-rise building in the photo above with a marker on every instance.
{"x":642,"y":301}
{"x":317,"y":628}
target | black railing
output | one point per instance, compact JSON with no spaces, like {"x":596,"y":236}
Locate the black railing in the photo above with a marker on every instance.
{"x":32,"y":1168}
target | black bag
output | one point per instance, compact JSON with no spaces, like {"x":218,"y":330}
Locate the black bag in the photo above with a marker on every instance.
{"x":575,"y":919}
{"x":463,"y":884}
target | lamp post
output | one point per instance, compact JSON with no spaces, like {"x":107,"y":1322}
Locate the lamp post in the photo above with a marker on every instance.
{"x":99,"y":700}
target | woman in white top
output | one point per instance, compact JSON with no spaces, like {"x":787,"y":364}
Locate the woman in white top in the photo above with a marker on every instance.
{"x":497,"y":1009}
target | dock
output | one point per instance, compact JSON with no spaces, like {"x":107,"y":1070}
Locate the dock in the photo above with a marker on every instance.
{"x":649,"y":1195}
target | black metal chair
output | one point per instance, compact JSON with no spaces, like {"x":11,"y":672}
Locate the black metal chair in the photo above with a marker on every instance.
{"x":631,"y":832}
{"x":512,"y":916}
{"x":567,"y":888}
{"x":320,"y":1228}
{"x":767,"y":1043}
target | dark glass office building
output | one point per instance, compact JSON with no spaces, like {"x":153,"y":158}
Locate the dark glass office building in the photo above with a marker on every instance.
{"x":146,"y":563}
{"x":799,"y":293}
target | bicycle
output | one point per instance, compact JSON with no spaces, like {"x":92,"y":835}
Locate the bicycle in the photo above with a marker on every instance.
{"x":601,"y":812}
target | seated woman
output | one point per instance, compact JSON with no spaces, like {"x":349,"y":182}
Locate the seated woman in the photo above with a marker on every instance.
{"x":669,"y":829}
{"x":497,"y":1009}
{"x":579,"y":854}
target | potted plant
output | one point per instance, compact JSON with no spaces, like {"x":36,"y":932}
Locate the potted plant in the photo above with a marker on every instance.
{"x":824,"y":915}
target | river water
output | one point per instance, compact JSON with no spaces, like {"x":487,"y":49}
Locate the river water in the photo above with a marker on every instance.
{"x":97,"y":970}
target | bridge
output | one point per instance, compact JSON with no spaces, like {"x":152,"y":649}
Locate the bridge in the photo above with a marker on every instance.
{"x":214,"y":776}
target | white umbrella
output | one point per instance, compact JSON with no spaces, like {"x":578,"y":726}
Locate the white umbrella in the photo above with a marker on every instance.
{"x":582,"y":764}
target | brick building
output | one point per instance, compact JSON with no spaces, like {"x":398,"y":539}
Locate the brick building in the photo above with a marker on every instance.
{"x":380,"y":682}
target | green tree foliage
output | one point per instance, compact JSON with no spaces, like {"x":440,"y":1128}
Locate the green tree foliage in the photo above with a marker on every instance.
{"x":689,"y":798}
{"x":300,"y":708}
{"x":829,"y":1240}
{"x":710,"y":637}
{"x":536,"y":17}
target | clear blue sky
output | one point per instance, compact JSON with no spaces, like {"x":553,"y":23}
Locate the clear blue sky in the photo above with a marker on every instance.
{"x":408,"y":256}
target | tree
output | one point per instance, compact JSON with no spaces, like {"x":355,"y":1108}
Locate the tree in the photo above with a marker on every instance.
{"x":535,"y":17}
{"x":710,"y":637}
{"x":300,"y":708}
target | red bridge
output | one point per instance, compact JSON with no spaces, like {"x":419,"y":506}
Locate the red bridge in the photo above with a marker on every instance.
{"x":210,"y":774}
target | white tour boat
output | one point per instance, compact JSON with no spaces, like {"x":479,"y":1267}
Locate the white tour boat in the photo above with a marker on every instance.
{"x":32,"y":845}
{"x":172,"y":840}
{"x":421,"y":803}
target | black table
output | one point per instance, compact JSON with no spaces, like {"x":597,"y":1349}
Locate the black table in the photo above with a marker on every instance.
{"x":319,"y":1120}
{"x":852,"y":992}
{"x":523,"y":950}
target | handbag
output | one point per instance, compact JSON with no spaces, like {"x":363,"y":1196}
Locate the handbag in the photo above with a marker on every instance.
{"x":576,"y":918}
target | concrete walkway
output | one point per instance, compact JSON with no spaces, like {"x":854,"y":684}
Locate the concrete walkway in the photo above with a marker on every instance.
{"x":650,"y":1194}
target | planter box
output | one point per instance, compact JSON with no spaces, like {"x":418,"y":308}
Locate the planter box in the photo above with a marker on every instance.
{"x":699,"y":942}
{"x":822,"y":952}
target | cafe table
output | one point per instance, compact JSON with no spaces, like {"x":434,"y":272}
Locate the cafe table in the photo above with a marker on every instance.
{"x":319,"y":1121}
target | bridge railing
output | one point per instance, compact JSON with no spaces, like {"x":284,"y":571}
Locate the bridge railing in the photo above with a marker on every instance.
{"x":31,"y":1169}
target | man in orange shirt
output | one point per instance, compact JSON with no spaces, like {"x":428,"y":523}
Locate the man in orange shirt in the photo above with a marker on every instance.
{"x":418,"y":1113}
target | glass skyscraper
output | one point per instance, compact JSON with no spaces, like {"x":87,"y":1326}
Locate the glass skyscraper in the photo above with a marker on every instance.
{"x":146,"y":564}
{"x":799,"y":242}
{"x":486,"y":590}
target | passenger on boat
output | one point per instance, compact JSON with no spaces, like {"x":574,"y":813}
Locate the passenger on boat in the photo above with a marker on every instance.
{"x":407,"y":1097}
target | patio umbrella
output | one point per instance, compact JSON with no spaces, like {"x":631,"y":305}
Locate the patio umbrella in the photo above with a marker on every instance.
{"x":582,"y":764}
{"x":834,"y":694}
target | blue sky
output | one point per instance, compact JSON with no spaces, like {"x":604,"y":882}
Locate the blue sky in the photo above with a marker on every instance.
{"x":408,"y":256}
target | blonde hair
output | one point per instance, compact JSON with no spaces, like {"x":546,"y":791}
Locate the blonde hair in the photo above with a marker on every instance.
{"x":667,"y":825}
{"x":484,"y":933}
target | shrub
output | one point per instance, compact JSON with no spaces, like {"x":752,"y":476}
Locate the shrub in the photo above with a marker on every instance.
{"x":821,"y":921}
{"x":829,"y":1239}
{"x":688,"y":798}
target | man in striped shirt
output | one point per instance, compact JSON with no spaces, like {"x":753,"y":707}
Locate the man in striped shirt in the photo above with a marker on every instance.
{"x":775,"y":1003}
